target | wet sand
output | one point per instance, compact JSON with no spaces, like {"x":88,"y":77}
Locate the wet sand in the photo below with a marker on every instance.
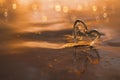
{"x":35,"y":56}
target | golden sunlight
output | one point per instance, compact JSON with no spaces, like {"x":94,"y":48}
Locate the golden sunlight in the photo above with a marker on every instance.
{"x":24,"y":2}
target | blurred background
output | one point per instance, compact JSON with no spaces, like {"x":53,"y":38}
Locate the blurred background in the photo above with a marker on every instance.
{"x":57,"y":10}
{"x":104,"y":13}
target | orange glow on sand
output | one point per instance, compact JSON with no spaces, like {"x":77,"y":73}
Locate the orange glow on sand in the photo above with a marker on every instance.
{"x":39,"y":44}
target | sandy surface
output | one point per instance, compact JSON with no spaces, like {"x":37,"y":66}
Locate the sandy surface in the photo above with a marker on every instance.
{"x":26,"y":55}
